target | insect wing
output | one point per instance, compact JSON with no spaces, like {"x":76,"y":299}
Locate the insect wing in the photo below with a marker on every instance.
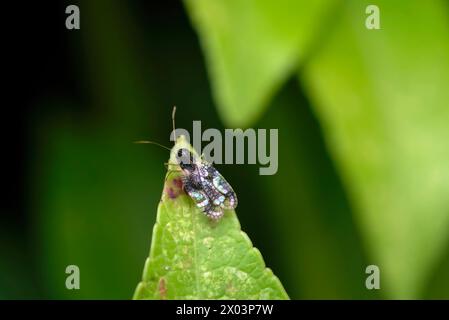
{"x":203,"y":202}
{"x":227,"y":198}
{"x":201,"y":199}
{"x":214,"y":212}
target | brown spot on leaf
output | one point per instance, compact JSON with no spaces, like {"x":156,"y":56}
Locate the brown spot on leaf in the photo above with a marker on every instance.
{"x":175,"y":189}
{"x":171,"y":193}
{"x":231,"y":290}
{"x":177,"y":182}
{"x":162,"y":287}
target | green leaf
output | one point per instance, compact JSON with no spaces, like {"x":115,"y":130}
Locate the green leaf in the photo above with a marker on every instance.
{"x":251,"y":47}
{"x":193,"y":257}
{"x":382,"y":99}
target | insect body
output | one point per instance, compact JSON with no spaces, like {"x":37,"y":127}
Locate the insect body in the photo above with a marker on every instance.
{"x":201,"y":181}
{"x":205,"y":185}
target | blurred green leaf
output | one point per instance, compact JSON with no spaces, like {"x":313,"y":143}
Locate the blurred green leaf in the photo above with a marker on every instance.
{"x":382,"y":100}
{"x":317,"y":250}
{"x":251,"y":47}
{"x":438,"y":283}
{"x":193,"y":257}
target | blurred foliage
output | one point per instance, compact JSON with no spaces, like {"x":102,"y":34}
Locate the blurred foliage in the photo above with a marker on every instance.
{"x":251,"y":47}
{"x":362,"y":143}
{"x":315,"y":245}
{"x":194,"y":257}
{"x":382,"y":100}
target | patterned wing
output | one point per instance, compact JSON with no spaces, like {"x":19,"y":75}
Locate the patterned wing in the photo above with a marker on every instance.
{"x":214,"y":212}
{"x":230,"y":200}
{"x":201,"y":199}
{"x":217,"y":188}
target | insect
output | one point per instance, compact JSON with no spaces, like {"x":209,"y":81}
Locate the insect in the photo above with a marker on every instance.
{"x":202,"y":182}
{"x":205,"y":185}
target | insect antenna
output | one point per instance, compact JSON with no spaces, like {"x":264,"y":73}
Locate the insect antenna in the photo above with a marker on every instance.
{"x":174,"y":133}
{"x":173,"y":122}
{"x":152,"y":142}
